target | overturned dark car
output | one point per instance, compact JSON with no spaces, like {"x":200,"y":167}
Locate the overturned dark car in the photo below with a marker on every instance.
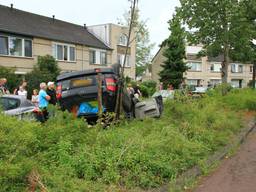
{"x":78,"y":93}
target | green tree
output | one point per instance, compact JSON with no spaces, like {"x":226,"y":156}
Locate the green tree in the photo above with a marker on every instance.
{"x":49,"y":64}
{"x":13,"y":80}
{"x":245,"y":49}
{"x":45,"y":70}
{"x":142,"y":39}
{"x":174,"y":52}
{"x":215,"y":24}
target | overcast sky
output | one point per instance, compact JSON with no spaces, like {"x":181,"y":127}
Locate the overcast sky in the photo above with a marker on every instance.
{"x":91,"y":12}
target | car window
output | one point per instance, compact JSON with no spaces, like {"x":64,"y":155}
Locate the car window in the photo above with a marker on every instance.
{"x":79,"y":82}
{"x":9,"y":103}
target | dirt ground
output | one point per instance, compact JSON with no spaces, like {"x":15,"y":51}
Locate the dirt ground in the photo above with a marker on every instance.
{"x":237,"y":174}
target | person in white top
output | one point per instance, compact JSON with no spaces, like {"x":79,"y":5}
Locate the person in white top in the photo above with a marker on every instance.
{"x":35,"y":97}
{"x":22,"y":91}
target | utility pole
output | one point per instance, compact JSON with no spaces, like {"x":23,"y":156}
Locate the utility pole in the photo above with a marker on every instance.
{"x":121,"y":80}
{"x":254,"y":74}
{"x":99,"y":79}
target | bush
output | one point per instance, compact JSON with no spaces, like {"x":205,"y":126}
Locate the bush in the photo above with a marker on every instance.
{"x":70,"y":156}
{"x":12,"y":78}
{"x":45,"y":70}
{"x":150,"y":85}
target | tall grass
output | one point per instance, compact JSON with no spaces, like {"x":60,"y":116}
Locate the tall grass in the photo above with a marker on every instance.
{"x":69,"y":156}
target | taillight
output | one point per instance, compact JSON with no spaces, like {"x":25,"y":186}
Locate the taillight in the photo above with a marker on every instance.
{"x":111,"y":84}
{"x":59,"y":91}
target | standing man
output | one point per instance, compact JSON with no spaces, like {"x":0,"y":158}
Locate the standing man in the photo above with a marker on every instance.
{"x":43,"y":102}
{"x":52,"y":93}
{"x":3,"y":87}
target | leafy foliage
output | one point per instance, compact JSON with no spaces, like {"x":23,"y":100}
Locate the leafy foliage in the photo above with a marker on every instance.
{"x":45,"y":70}
{"x":174,"y":53}
{"x":150,"y":85}
{"x":70,"y":156}
{"x":12,"y":78}
{"x":48,"y":63}
{"x":142,"y":38}
{"x":219,"y":25}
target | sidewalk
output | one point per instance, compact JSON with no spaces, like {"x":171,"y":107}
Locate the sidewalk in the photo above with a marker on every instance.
{"x":237,"y":174}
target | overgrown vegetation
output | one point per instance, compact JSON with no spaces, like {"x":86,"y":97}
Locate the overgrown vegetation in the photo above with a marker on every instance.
{"x":70,"y":156}
{"x":45,"y":70}
{"x":9,"y":74}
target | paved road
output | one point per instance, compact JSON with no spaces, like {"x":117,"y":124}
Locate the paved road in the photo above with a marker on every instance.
{"x":237,"y":174}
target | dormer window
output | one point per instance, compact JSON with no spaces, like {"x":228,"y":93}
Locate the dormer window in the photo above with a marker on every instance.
{"x":123,"y":40}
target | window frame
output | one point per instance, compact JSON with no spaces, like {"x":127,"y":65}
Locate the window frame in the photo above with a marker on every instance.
{"x":237,"y":66}
{"x":98,"y":57}
{"x":213,"y":70}
{"x":23,"y":39}
{"x":251,"y":69}
{"x":194,"y":62}
{"x":120,"y":60}
{"x":121,"y":38}
{"x":63,"y":45}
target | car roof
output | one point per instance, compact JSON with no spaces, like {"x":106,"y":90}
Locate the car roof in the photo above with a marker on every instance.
{"x":85,"y":72}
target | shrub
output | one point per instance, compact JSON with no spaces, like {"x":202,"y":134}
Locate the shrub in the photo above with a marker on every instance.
{"x":12,"y":78}
{"x":150,"y":85}
{"x":144,"y":91}
{"x":45,"y":70}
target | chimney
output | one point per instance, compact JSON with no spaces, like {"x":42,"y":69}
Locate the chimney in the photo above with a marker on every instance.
{"x":11,"y":6}
{"x":53,"y":17}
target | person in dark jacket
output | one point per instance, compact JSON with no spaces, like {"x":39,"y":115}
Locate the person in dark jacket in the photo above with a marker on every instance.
{"x":52,"y":93}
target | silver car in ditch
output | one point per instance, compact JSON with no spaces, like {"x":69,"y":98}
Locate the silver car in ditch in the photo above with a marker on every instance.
{"x":18,"y":106}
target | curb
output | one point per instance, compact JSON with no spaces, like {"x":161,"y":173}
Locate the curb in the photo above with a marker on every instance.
{"x":196,"y":171}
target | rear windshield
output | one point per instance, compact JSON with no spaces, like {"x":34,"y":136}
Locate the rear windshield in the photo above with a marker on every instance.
{"x":79,"y":82}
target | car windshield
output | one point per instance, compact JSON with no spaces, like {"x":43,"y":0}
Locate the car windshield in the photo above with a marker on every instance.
{"x":8,"y":103}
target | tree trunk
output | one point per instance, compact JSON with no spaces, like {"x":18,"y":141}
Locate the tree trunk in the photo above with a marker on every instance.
{"x":99,"y":94}
{"x":254,"y":74}
{"x":224,"y":65}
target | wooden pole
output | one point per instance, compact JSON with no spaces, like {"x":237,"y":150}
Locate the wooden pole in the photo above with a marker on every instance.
{"x":121,"y":84}
{"x":99,"y":94}
{"x":254,"y":75}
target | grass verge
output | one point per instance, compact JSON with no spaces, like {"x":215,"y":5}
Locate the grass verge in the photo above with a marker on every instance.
{"x":69,"y":156}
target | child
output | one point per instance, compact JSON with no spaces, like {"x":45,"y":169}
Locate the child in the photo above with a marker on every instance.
{"x":35,"y":97}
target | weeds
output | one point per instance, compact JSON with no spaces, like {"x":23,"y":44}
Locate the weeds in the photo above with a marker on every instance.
{"x":69,"y":156}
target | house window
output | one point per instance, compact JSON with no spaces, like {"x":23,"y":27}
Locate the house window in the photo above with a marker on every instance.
{"x":59,"y":52}
{"x":215,"y":81}
{"x":215,"y":67}
{"x":237,"y":83}
{"x":123,"y":40}
{"x":194,"y":66}
{"x":64,"y":52}
{"x":28,"y":48}
{"x":193,"y":82}
{"x":72,"y":53}
{"x":98,"y":57}
{"x":237,"y":68}
{"x":103,"y":58}
{"x":4,"y":45}
{"x":251,"y":69}
{"x":15,"y":46}
{"x":120,"y":60}
{"x":92,"y":57}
